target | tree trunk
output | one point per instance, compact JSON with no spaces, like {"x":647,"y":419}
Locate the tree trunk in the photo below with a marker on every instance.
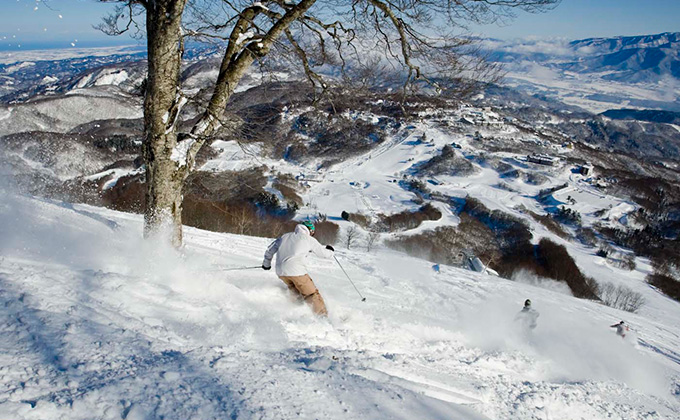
{"x":167,"y":165}
{"x":164,"y":176}
{"x":163,"y":214}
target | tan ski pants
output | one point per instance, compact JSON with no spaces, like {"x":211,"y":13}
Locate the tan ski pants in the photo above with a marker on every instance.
{"x":304,"y":287}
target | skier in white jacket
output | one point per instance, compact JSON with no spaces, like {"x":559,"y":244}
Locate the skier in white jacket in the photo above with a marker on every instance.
{"x":291,"y":249}
{"x":528,"y":316}
{"x":621,"y":329}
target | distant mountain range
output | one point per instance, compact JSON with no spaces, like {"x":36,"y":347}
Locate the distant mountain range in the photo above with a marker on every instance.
{"x":668,"y":40}
{"x":595,"y":74}
{"x":26,"y":74}
{"x":628,"y":59}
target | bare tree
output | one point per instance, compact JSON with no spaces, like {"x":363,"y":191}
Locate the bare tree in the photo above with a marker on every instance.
{"x":243,"y":218}
{"x":371,"y":240}
{"x":351,"y":236}
{"x":620,"y":297}
{"x":415,"y":37}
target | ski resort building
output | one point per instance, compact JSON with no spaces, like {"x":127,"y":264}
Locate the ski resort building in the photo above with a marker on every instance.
{"x":542,"y":159}
{"x":586,"y":169}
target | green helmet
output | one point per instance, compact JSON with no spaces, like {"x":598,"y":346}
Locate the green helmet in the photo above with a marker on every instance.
{"x":309,"y":225}
{"x":527,"y":302}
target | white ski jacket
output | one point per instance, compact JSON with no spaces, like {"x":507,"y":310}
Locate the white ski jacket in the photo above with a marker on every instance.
{"x":528,"y":317}
{"x":291,"y":250}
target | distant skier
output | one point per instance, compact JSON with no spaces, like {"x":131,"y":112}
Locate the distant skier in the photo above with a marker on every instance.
{"x":621,"y":329}
{"x":527,"y":316}
{"x":291,"y":250}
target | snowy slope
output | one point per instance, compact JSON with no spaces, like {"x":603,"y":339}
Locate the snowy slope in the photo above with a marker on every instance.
{"x":63,"y":113}
{"x":98,"y":324}
{"x":369,"y":183}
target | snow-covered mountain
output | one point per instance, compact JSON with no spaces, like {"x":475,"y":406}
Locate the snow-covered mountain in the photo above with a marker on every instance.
{"x":604,"y":46}
{"x":25,"y":74}
{"x":597,"y":73}
{"x":649,"y":58}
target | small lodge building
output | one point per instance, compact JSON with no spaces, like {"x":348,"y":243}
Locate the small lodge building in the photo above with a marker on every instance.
{"x":541,"y":159}
{"x":586,"y":170}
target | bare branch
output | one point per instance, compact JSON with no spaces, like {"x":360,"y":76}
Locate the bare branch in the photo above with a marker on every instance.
{"x":311,"y":75}
{"x":235,"y":65}
{"x":412,"y":38}
{"x":125,"y":12}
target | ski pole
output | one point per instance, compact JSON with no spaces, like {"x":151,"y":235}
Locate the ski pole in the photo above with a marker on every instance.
{"x":240,"y":268}
{"x":363,"y":299}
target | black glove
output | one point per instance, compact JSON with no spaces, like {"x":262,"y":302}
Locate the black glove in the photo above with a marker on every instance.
{"x":265,"y":267}
{"x":330,"y":248}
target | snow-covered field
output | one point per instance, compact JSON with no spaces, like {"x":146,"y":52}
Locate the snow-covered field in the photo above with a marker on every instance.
{"x":98,"y":324}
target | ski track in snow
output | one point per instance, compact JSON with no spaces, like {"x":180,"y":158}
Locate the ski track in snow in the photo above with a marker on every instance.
{"x":96,"y":323}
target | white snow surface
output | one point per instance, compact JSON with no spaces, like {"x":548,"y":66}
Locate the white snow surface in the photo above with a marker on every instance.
{"x":111,"y":77}
{"x":99,"y":324}
{"x":233,"y":157}
{"x":181,"y":150}
{"x":245,"y":36}
{"x":48,"y":80}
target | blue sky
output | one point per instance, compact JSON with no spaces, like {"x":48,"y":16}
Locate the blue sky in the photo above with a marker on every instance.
{"x":54,"y":24}
{"x":22,"y":24}
{"x":578,"y":19}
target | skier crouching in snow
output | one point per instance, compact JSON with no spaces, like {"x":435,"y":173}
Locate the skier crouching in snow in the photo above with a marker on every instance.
{"x":291,"y":250}
{"x":527,"y":316}
{"x":621,"y":329}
